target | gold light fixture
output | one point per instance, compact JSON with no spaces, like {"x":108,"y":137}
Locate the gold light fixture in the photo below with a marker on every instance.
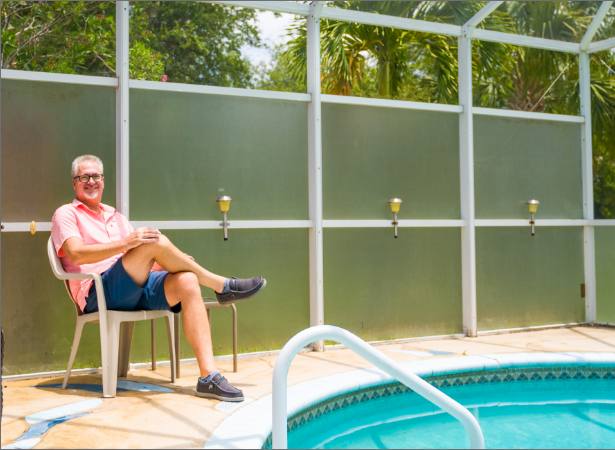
{"x":395,"y":205}
{"x":533,"y":206}
{"x":225,"y":205}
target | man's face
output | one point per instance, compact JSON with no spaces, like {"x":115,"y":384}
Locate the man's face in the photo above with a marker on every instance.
{"x":91,"y":191}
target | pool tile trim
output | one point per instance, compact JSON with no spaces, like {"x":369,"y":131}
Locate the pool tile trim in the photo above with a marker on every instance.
{"x":250,"y":426}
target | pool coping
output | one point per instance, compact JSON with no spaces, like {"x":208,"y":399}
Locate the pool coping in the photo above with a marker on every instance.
{"x":250,"y":426}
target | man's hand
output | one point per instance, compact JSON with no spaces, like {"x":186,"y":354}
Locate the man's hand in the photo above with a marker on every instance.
{"x":142,"y":236}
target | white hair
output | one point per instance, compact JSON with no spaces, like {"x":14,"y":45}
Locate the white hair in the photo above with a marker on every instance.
{"x":80,"y":159}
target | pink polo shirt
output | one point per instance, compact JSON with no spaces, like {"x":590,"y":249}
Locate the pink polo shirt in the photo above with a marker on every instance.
{"x":76,"y":220}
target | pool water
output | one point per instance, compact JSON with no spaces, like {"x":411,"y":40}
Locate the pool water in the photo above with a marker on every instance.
{"x":529,"y":414}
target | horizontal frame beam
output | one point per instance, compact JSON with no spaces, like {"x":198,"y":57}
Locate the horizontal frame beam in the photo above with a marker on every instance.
{"x":400,"y":104}
{"x":526,"y":41}
{"x":215,"y":90}
{"x":388,"y":224}
{"x":281,"y":7}
{"x":346,"y":15}
{"x":377,"y":223}
{"x":217,"y":225}
{"x":601,"y":45}
{"x":58,"y":78}
{"x":526,"y":223}
{"x":527,"y":115}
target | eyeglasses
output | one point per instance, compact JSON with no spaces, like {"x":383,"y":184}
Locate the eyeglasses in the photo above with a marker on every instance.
{"x":86,"y":178}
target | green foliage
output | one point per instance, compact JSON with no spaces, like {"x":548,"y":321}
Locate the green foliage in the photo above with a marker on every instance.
{"x":276,"y":76}
{"x":199,"y":43}
{"x":68,"y":37}
{"x":410,"y":65}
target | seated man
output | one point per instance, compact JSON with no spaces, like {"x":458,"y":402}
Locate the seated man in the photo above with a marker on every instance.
{"x":141,"y":270}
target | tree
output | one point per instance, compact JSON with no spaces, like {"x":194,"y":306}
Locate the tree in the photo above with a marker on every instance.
{"x":190,"y":42}
{"x":68,"y":37}
{"x":401,"y":57}
{"x":199,"y":43}
{"x":276,"y":76}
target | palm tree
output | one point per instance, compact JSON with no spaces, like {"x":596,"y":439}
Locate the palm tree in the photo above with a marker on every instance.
{"x":402,"y":57}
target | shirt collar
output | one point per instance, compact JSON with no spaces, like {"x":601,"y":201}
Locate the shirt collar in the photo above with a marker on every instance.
{"x":106,"y":208}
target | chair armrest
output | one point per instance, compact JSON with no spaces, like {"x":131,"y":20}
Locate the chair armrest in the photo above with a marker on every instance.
{"x":100,"y":292}
{"x":78,"y":276}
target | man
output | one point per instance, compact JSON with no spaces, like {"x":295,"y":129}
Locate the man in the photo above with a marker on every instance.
{"x":141,"y":270}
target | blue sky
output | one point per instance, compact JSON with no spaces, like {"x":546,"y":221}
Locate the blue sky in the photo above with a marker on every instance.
{"x":272,"y":30}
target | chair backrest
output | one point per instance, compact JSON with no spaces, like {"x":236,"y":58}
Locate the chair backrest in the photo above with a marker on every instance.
{"x":54,"y":259}
{"x":58,"y":271}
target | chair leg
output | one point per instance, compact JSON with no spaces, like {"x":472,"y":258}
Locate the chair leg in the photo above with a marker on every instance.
{"x":153,"y":344}
{"x":170,"y":334}
{"x":126,"y":332}
{"x":177,"y":327}
{"x":234,"y":337}
{"x":113,"y":345}
{"x":73,"y":353}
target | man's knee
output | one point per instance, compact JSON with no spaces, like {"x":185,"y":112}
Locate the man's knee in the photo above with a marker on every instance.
{"x":153,"y":247}
{"x":186,"y":284}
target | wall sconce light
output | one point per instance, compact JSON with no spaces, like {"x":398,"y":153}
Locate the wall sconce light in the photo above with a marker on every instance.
{"x":225,"y":204}
{"x":533,"y":205}
{"x":395,"y":205}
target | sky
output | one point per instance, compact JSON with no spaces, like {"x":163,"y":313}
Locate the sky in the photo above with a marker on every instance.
{"x":272,"y":30}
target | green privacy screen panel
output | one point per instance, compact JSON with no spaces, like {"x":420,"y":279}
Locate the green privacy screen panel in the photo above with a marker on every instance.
{"x":605,"y":273}
{"x":45,"y":126}
{"x":379,"y":287}
{"x":39,"y":319}
{"x":373,"y":154}
{"x":188,"y":149}
{"x":516,"y":160}
{"x":281,"y":310}
{"x":527,"y":281}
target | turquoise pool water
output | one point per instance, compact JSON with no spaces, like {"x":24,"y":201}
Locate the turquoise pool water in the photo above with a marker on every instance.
{"x":529,"y":414}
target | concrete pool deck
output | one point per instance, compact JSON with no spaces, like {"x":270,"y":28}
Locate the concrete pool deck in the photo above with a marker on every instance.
{"x":178,"y":419}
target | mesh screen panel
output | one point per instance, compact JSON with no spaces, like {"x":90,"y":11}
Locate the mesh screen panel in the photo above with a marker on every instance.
{"x":517,"y":160}
{"x":373,"y":154}
{"x":605,"y":273}
{"x":379,"y":287}
{"x":281,"y":310}
{"x":188,"y":149}
{"x":527,"y":281}
{"x":45,"y":126}
{"x":38,"y":316}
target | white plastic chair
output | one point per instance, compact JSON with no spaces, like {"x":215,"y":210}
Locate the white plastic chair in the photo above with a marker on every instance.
{"x":116,"y":328}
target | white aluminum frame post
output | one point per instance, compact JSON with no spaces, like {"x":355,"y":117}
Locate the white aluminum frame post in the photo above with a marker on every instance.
{"x":468,"y":232}
{"x":589,"y":249}
{"x":122,"y":124}
{"x":317,"y":308}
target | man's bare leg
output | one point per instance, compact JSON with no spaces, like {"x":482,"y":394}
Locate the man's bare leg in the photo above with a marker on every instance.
{"x":184,"y":287}
{"x":138,"y":263}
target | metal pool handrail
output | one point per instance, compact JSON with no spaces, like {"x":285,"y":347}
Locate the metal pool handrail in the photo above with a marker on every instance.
{"x":378,"y":359}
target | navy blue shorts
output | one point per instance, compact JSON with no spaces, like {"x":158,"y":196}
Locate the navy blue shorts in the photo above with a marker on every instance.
{"x":122,"y":294}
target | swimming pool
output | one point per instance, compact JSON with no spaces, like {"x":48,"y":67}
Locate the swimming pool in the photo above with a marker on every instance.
{"x":556,"y":413}
{"x":368,"y":409}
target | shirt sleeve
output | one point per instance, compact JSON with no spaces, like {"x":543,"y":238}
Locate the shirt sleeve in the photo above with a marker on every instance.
{"x":63,"y":226}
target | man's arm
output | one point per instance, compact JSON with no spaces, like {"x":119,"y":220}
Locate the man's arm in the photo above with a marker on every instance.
{"x":80,"y":254}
